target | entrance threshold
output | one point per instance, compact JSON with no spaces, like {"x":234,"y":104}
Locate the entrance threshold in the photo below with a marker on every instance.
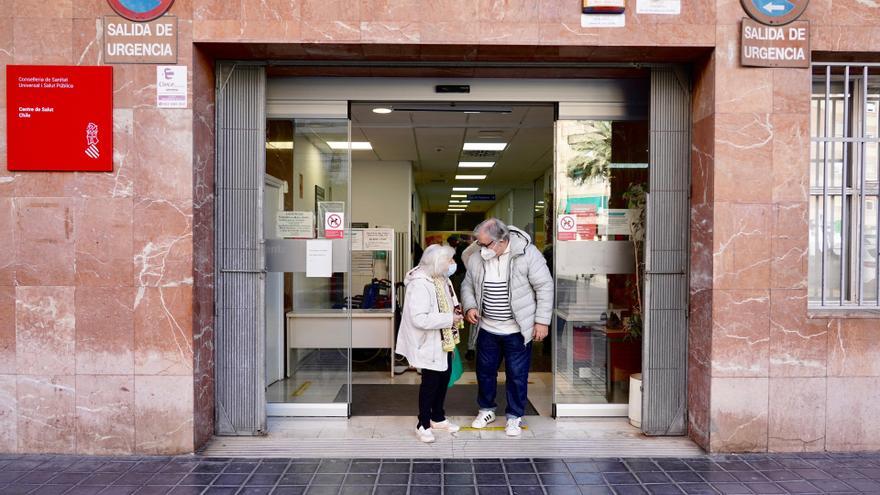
{"x":393,"y":437}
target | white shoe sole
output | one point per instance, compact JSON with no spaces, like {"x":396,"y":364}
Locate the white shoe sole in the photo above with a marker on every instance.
{"x":448,"y":430}
{"x":474,"y":425}
{"x":513,"y":434}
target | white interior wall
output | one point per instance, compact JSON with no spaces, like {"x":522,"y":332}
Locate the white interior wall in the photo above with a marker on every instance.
{"x":381,"y":194}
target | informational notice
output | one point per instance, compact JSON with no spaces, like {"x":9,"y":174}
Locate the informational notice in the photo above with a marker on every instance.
{"x":171,"y":86}
{"x":617,"y":222}
{"x":357,"y":240}
{"x":566,"y":228}
{"x":296,"y":224}
{"x":130,"y":42}
{"x":378,"y":239}
{"x":659,"y":7}
{"x":319,"y":258}
{"x":334,"y":225}
{"x":59,"y":118}
{"x":603,"y":20}
{"x":775,"y":46}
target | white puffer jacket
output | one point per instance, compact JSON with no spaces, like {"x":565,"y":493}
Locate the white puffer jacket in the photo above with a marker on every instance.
{"x":530,"y":284}
{"x":419,"y":337}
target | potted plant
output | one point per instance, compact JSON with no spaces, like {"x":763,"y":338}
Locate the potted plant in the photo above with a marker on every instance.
{"x":636,"y":196}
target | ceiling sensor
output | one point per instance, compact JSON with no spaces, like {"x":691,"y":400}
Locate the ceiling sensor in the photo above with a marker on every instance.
{"x":439,"y":149}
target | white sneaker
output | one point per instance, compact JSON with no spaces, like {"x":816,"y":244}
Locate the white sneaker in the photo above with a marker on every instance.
{"x":483,"y":419}
{"x":513,"y":428}
{"x":445,"y":425}
{"x":424,"y":435}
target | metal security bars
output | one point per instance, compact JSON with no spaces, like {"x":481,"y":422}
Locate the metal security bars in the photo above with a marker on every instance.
{"x":843,"y":202}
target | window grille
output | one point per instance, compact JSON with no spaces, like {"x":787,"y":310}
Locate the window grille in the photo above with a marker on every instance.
{"x":843,"y":200}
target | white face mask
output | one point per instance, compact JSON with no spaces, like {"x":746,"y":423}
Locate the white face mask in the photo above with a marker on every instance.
{"x":487,"y":254}
{"x":451,"y":270}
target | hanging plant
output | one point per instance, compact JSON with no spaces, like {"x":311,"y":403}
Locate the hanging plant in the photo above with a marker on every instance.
{"x":593,"y":153}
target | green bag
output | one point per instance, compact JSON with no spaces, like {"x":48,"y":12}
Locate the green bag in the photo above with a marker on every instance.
{"x":457,"y":368}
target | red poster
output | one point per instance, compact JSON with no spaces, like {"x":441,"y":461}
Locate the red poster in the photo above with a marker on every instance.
{"x":59,"y":118}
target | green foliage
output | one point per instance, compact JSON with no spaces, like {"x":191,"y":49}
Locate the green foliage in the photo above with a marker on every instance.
{"x":593,"y":149}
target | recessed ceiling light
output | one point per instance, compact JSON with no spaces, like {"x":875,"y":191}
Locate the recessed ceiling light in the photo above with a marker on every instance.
{"x":355,"y":145}
{"x":476,"y":164}
{"x":466,"y":189}
{"x":470,"y":177}
{"x":458,"y":195}
{"x":484,"y":146}
{"x":382,"y":110}
{"x":279,"y":145}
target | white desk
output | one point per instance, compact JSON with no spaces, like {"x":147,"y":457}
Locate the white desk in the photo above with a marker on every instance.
{"x":330,"y":330}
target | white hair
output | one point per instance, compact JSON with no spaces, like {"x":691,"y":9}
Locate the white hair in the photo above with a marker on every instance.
{"x":494,"y":228}
{"x":435,"y":259}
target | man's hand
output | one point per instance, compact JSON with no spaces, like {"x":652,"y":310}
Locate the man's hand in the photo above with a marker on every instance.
{"x":540,"y":332}
{"x":472,"y":316}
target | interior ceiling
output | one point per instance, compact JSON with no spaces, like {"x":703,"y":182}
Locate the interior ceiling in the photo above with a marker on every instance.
{"x":433,"y":141}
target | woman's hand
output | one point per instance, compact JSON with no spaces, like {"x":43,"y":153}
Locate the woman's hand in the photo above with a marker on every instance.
{"x":472,"y":316}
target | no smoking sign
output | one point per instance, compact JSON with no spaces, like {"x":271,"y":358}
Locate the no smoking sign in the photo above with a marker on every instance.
{"x":566,"y":228}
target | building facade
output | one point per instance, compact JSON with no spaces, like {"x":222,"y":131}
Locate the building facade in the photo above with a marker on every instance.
{"x":107,"y":280}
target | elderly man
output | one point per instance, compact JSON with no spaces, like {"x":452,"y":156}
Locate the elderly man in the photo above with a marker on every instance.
{"x":508,"y":289}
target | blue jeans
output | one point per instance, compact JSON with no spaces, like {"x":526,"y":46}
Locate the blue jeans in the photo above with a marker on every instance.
{"x":517,"y":359}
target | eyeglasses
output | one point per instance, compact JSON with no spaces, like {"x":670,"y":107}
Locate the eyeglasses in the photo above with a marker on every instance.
{"x":486,"y":245}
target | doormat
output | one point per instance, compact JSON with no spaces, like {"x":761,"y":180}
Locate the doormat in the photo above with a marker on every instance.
{"x":403,"y":400}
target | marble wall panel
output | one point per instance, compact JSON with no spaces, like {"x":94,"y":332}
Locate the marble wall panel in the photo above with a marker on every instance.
{"x":7,"y":330}
{"x":105,"y":330}
{"x":104,"y":235}
{"x":8,"y":413}
{"x":739,"y":414}
{"x":163,"y":340}
{"x":8,"y":218}
{"x":105,"y":414}
{"x":798,"y":345}
{"x":45,"y":328}
{"x":163,"y":251}
{"x":44,"y":234}
{"x":852,"y":411}
{"x":789,"y":244}
{"x":853,"y":348}
{"x":743,"y":155}
{"x":46,"y":414}
{"x":163,"y":414}
{"x":797,"y":415}
{"x":740,"y":333}
{"x":742,"y":246}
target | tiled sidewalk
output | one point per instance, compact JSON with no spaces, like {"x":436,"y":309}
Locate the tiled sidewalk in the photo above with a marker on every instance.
{"x":808,"y":473}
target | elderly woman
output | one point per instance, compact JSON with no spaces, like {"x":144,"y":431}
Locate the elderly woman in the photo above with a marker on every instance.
{"x":428,"y":334}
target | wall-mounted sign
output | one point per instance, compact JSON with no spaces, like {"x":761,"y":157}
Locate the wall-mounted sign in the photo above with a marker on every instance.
{"x":566,"y":228}
{"x":140,"y":10}
{"x":603,"y":20}
{"x":603,"y":6}
{"x":774,"y":12}
{"x":481,"y":197}
{"x":60,"y":118}
{"x":334,"y":225}
{"x":295,"y":224}
{"x":171,"y":86}
{"x":661,"y":7}
{"x":775,"y":46}
{"x":130,"y":42}
{"x":378,"y":239}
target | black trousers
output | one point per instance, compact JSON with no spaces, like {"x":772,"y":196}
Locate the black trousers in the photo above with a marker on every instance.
{"x":432,"y":394}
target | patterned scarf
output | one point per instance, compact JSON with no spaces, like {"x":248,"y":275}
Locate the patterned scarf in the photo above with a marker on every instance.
{"x":450,"y":335}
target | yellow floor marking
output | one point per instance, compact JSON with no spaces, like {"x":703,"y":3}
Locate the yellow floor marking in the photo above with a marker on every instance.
{"x":488,"y":428}
{"x":302,"y":389}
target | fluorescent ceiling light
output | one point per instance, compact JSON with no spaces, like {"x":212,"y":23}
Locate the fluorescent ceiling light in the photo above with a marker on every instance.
{"x":484,"y":146}
{"x":382,"y":110}
{"x":466,"y":189}
{"x":355,"y":145}
{"x":456,"y":209}
{"x":279,"y":145}
{"x":470,"y":177}
{"x":454,"y":201}
{"x":465,"y":201}
{"x":540,"y":202}
{"x":458,"y":195}
{"x":476,"y":164}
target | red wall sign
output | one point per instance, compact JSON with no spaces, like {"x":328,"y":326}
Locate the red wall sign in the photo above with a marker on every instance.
{"x":140,"y":10}
{"x":60,"y":118}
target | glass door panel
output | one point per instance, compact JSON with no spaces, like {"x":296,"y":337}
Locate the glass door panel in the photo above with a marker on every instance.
{"x":308,"y":291}
{"x":601,"y":175}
